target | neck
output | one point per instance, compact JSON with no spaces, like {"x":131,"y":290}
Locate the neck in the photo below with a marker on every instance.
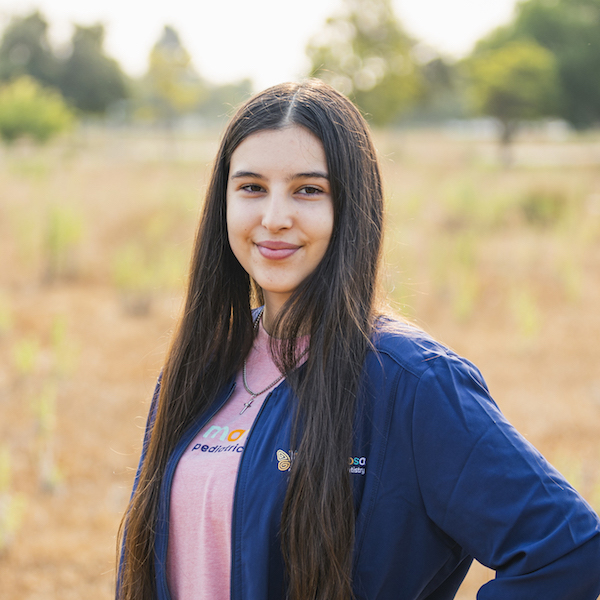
{"x":270,"y":312}
{"x":269,"y":316}
{"x":267,"y":323}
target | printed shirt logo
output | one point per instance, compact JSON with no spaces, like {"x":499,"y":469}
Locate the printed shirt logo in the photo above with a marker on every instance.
{"x":234,"y":436}
{"x":230,"y":439}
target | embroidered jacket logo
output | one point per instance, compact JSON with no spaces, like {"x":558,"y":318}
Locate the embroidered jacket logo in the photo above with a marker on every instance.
{"x":284,"y":462}
{"x":357,"y":465}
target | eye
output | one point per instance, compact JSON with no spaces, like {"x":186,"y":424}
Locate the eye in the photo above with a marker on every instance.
{"x":310,"y":190}
{"x":252,"y":188}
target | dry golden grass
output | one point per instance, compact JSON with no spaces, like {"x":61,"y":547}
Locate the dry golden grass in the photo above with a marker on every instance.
{"x":504,"y":266}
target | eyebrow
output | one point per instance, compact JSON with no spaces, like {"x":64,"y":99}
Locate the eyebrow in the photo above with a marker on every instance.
{"x":306,"y":175}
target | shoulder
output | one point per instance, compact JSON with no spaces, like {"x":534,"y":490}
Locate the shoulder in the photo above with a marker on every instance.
{"x":406,"y":347}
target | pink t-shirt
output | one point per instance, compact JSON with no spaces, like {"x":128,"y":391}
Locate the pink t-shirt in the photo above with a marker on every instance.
{"x":199,"y":550}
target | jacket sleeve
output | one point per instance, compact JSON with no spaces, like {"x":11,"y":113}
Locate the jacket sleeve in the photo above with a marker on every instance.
{"x":148,"y":430}
{"x":493,"y":493}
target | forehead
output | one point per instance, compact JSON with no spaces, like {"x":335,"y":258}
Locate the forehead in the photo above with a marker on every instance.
{"x":291,"y":149}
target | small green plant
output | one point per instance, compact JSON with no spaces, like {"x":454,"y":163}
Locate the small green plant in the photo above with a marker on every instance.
{"x":11,"y":505}
{"x":170,"y":268}
{"x":453,"y":265}
{"x":462,"y":206}
{"x":25,"y":229}
{"x":134,"y":279}
{"x":570,"y":274}
{"x":33,"y":167}
{"x":29,"y":110}
{"x":138,"y":275}
{"x":26,"y":353}
{"x":64,"y":231}
{"x":526,"y":312}
{"x":543,"y":208}
{"x":44,"y":409}
{"x":64,"y":351}
{"x":465,"y":294}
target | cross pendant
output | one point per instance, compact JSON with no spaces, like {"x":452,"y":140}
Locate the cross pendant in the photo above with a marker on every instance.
{"x":247,"y":405}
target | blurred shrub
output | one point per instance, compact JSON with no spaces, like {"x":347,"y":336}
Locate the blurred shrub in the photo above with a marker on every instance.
{"x":526,"y":312}
{"x":543,"y":208}
{"x":44,"y":411}
{"x":28,"y":109}
{"x":64,"y":350}
{"x":139,"y":274}
{"x":454,"y":271}
{"x":26,"y":354}
{"x":64,"y":230}
{"x":133,"y":277}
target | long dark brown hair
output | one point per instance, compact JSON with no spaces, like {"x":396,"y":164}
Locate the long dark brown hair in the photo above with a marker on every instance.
{"x":215,"y":333}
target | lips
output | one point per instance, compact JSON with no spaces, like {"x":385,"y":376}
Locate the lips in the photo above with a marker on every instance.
{"x":276,"y":250}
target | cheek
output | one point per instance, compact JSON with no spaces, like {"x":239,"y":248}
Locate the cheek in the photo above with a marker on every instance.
{"x":231,"y":233}
{"x":232,"y":221}
{"x":324,"y":225}
{"x":237,"y":231}
{"x":237,"y":234}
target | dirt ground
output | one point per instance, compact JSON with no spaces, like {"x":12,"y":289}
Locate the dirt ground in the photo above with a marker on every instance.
{"x":102,"y":370}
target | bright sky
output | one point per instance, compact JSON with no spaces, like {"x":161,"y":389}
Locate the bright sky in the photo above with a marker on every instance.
{"x":261,"y":39}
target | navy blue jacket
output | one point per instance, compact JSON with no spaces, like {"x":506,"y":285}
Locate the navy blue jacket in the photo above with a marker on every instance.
{"x":440,"y":477}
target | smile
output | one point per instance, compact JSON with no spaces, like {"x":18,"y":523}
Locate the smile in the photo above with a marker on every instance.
{"x":275,"y":250}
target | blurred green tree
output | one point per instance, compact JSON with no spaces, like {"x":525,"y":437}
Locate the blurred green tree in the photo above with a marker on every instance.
{"x":513,"y":83}
{"x":28,"y":109}
{"x":89,"y":79}
{"x":442,"y":95}
{"x":364,"y":52}
{"x":172,"y":84}
{"x":221,"y":100}
{"x":570,"y":29}
{"x":24,"y":50}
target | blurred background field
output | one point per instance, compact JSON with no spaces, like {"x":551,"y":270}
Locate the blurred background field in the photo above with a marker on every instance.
{"x":492,"y":169}
{"x":95,"y":231}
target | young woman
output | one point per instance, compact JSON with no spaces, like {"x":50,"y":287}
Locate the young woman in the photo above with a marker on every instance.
{"x":302,"y":446}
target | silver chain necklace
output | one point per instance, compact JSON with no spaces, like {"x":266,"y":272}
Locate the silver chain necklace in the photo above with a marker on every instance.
{"x":254,"y":395}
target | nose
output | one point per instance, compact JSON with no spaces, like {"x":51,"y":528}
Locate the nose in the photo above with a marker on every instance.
{"x":277,"y":213}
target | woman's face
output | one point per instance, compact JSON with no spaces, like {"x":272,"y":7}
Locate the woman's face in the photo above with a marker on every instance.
{"x":279,"y":210}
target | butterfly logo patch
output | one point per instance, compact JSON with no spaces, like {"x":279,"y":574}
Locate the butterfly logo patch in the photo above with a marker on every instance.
{"x":284,"y":462}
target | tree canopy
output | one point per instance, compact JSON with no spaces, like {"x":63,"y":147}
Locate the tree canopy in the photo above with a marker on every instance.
{"x":364,"y":52}
{"x":516,"y":82}
{"x":25,"y":50}
{"x":89,"y":79}
{"x":86,"y":77}
{"x":570,"y":30}
{"x":172,"y":84}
